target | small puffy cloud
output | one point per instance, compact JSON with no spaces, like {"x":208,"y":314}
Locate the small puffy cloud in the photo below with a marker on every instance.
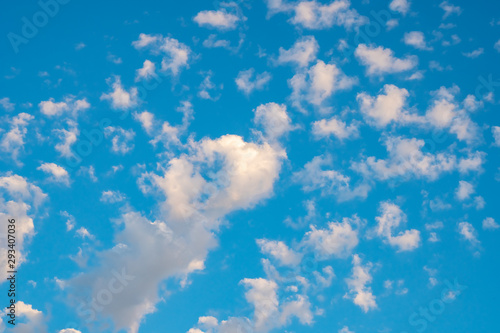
{"x":57,"y":173}
{"x":401,"y":6}
{"x":345,"y":329}
{"x":472,"y":163}
{"x":315,"y":15}
{"x":496,"y":46}
{"x":359,"y":285}
{"x":464,"y":190}
{"x":314,"y":176}
{"x":274,"y":120}
{"x":490,"y":224}
{"x":12,"y":142}
{"x":70,"y":105}
{"x":84,"y":233}
{"x":279,"y":251}
{"x":217,"y":19}
{"x":175,"y":54}
{"x":6,"y":104}
{"x":417,"y":40}
{"x":68,"y":137}
{"x":468,"y":233}
{"x":445,"y":112}
{"x":380,"y":60}
{"x":318,"y":84}
{"x":336,"y":127}
{"x":391,"y":218}
{"x":112,"y":196}
{"x":247,"y":81}
{"x":495,"y":130}
{"x":302,"y":53}
{"x":473,"y":54}
{"x":387,"y":107}
{"x":207,"y":87}
{"x":338,"y":240}
{"x":146,"y":119}
{"x":120,"y":98}
{"x":147,"y":71}
{"x":69,"y":330}
{"x":449,"y":9}
{"x":122,"y":140}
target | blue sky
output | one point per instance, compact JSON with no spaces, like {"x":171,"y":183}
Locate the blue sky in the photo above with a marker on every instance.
{"x":251,"y":166}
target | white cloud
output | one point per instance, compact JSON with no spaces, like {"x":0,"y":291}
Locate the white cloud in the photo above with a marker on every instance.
{"x":474,"y":54}
{"x":345,"y":329}
{"x":120,"y":98}
{"x":387,"y":107}
{"x":380,"y":60}
{"x":302,"y":53}
{"x":6,"y":104}
{"x":496,"y":46}
{"x":318,"y":84}
{"x":17,"y":198}
{"x":314,"y":177}
{"x":215,"y":177}
{"x":445,"y":112}
{"x":495,"y":130}
{"x":449,"y":9}
{"x":70,"y":105}
{"x":57,"y":173}
{"x":336,"y":127}
{"x":274,"y":120}
{"x":29,"y":319}
{"x":68,"y":138}
{"x":315,"y":15}
{"x":147,"y":71}
{"x":207,"y":86}
{"x":218,"y":19}
{"x":468,"y":233}
{"x":13,"y":141}
{"x":247,"y":81}
{"x":406,"y":159}
{"x":146,"y":119}
{"x":175,"y":54}
{"x":69,"y":330}
{"x":279,"y":251}
{"x":417,"y":40}
{"x":358,"y":283}
{"x":401,"y":6}
{"x":464,"y":190}
{"x":84,"y":233}
{"x":339,"y":239}
{"x":391,"y":219}
{"x":122,"y":140}
{"x":490,"y":224}
{"x":112,"y":196}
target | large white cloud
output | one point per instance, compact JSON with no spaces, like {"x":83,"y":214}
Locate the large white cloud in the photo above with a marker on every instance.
{"x":213,"y":178}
